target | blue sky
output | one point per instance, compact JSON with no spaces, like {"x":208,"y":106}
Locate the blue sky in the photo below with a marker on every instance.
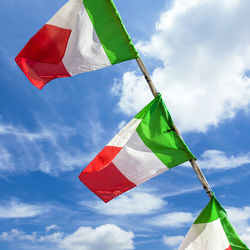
{"x":198,"y":53}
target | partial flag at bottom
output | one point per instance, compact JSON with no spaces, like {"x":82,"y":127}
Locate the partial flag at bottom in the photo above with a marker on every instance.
{"x":212,"y":231}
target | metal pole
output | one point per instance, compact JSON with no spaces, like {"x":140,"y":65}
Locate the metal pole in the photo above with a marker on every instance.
{"x":193,"y":163}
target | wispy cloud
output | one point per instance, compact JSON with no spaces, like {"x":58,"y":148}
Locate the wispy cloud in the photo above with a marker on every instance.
{"x":51,"y":238}
{"x":51,"y":227}
{"x":183,"y":191}
{"x":22,"y":133}
{"x":64,"y":161}
{"x":17,"y":209}
{"x":16,"y":234}
{"x":95,"y":132}
{"x":6,"y":161}
{"x":48,"y":149}
{"x":121,"y":124}
{"x":172,"y":241}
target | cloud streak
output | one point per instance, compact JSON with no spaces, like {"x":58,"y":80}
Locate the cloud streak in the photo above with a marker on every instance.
{"x":172,"y":240}
{"x":16,"y":209}
{"x":219,"y":160}
{"x":106,"y":237}
{"x":48,"y":149}
{"x":175,"y":219}
{"x":132,"y":203}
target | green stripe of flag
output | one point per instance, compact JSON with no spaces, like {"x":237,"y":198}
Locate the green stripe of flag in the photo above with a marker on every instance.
{"x":110,"y":30}
{"x":157,"y":132}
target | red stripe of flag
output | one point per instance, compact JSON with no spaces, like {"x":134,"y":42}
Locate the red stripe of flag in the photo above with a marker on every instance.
{"x":41,"y":58}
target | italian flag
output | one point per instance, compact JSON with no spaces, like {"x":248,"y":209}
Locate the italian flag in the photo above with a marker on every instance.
{"x":212,"y":231}
{"x":145,"y":147}
{"x":84,"y":35}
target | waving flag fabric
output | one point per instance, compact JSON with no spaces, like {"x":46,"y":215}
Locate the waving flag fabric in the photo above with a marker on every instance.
{"x":144,"y":148}
{"x":84,"y":35}
{"x":212,"y":231}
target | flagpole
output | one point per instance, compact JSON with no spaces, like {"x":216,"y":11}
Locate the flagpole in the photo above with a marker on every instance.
{"x":193,"y":163}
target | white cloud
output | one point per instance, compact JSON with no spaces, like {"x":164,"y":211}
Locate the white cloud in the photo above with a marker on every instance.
{"x":105,"y":237}
{"x":133,"y":203}
{"x":179,"y":191}
{"x":238,"y":214}
{"x":6,"y":162}
{"x":245,"y":236}
{"x":204,"y":48}
{"x":16,"y":234}
{"x":54,"y":238}
{"x":20,"y":132}
{"x":172,"y":240}
{"x":51,"y":227}
{"x":216,"y":159}
{"x":129,"y":88}
{"x":16,"y":209}
{"x":175,"y":219}
{"x":240,"y":219}
{"x":95,"y":132}
{"x":121,"y":125}
{"x":64,"y":161}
